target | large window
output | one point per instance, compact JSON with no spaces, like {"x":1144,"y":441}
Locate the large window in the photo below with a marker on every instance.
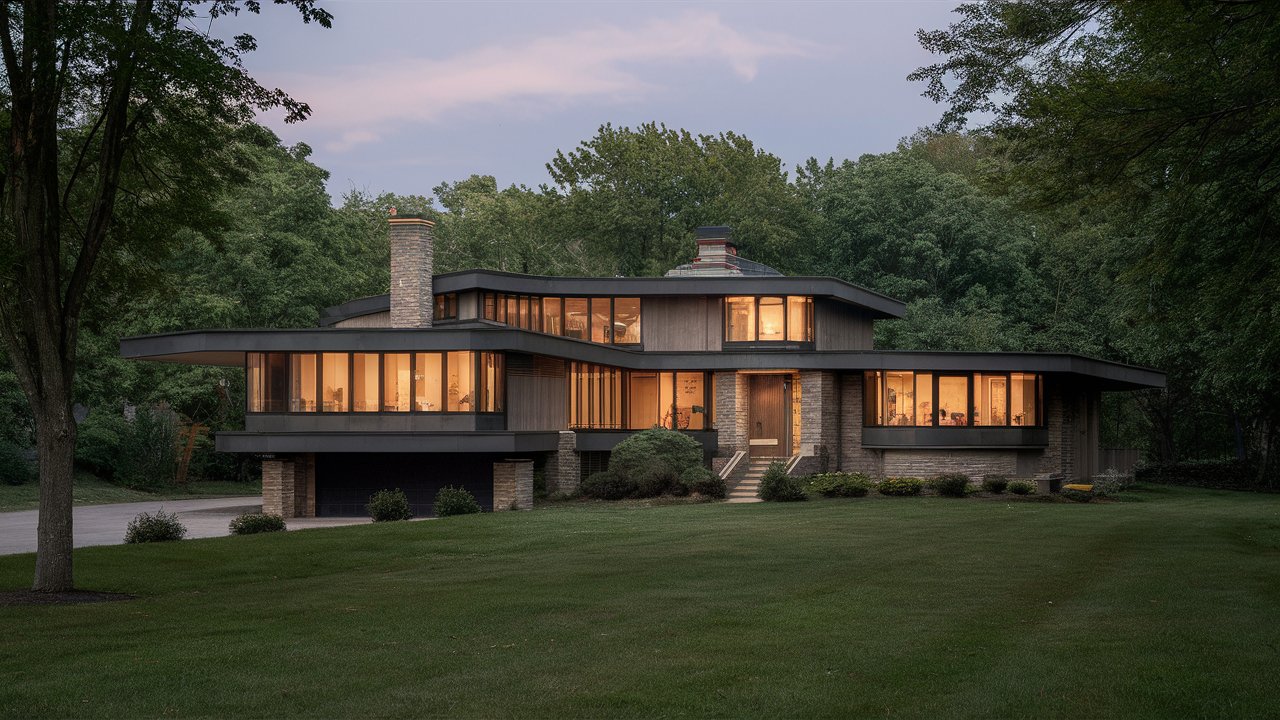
{"x":607,"y":320}
{"x":928,"y":399}
{"x":611,"y":398}
{"x":337,"y":382}
{"x":446,"y":306}
{"x":768,"y":319}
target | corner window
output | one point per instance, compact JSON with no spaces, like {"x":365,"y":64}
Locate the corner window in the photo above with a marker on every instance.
{"x":267,"y":381}
{"x":768,"y":319}
{"x":926,"y":399}
{"x":446,"y":306}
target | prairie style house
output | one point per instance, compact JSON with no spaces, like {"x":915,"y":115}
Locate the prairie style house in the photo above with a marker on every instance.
{"x":474,"y":378}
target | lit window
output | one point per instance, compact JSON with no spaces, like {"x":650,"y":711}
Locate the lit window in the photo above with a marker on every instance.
{"x":364,"y":390}
{"x":268,"y":382}
{"x":302,"y":382}
{"x":1022,"y":399}
{"x":740,"y":319}
{"x":427,"y":375}
{"x":335,"y":369}
{"x":800,"y":319}
{"x":626,"y":321}
{"x":396,"y":382}
{"x":552,"y":320}
{"x":601,"y":320}
{"x":691,"y":411}
{"x":575,"y":318}
{"x":461,"y":382}
{"x":953,"y":400}
{"x":773,"y":319}
{"x":991,"y":400}
{"x":924,"y":399}
{"x":899,"y":398}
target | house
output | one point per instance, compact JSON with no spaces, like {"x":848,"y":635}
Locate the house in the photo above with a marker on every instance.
{"x":474,"y":378}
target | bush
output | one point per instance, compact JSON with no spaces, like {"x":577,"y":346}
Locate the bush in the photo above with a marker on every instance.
{"x":995,"y":483}
{"x":900,"y":486}
{"x":704,"y":482}
{"x":778,"y":486}
{"x":1076,"y":495}
{"x":654,"y":477}
{"x":1110,"y":482}
{"x":14,"y":468}
{"x":98,"y":442}
{"x":839,"y":484}
{"x":606,"y":485}
{"x":1218,"y":474}
{"x":654,"y":459}
{"x":388,"y":506}
{"x":455,"y":501}
{"x":161,"y":527}
{"x":951,"y":485}
{"x":148,"y":458}
{"x":254,"y":523}
{"x":1022,"y":487}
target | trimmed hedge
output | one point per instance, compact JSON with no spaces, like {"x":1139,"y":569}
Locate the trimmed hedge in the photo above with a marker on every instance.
{"x":1216,"y":474}
{"x":388,"y":506}
{"x":951,"y":485}
{"x":840,"y":484}
{"x":254,"y":523}
{"x":455,"y":501}
{"x":995,"y":483}
{"x":160,"y":527}
{"x":778,"y":486}
{"x":1022,"y":487}
{"x":900,"y":486}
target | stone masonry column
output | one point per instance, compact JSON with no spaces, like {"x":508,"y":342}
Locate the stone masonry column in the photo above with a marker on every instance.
{"x":730,"y":413}
{"x":304,"y":485}
{"x":819,"y":414}
{"x":853,"y":457}
{"x":278,"y":487}
{"x":412,"y":260}
{"x":513,"y":485}
{"x":564,"y":466}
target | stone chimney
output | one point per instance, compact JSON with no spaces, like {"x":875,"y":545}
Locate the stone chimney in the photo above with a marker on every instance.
{"x":412,"y":260}
{"x":718,"y":256}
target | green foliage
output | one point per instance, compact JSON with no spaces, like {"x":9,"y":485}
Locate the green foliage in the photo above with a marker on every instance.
{"x":995,"y":483}
{"x":148,"y":458}
{"x":1220,"y":474}
{"x":777,"y":486}
{"x":389,"y":506}
{"x":455,"y":501}
{"x":1022,"y":487}
{"x":653,"y":460}
{"x":254,"y":523}
{"x":951,"y":485}
{"x":98,"y":442}
{"x":840,"y":484}
{"x":702,"y":481}
{"x":900,"y":486}
{"x":158,"y":527}
{"x":1111,"y":482}
{"x":1075,"y":495}
{"x":607,"y":485}
{"x":14,"y":467}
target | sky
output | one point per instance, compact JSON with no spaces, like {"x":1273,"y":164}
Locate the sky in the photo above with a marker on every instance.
{"x":406,"y":95}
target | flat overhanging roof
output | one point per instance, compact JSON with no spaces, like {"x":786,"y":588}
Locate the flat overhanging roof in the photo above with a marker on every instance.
{"x":424,"y":442}
{"x":228,"y":348}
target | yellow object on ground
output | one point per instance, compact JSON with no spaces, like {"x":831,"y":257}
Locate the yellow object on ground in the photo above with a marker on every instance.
{"x":1081,"y":488}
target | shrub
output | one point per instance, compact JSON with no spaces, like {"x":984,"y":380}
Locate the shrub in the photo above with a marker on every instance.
{"x":605,"y":485}
{"x":160,"y":527}
{"x":254,"y":523}
{"x":388,"y":506}
{"x":1076,"y":495}
{"x":839,"y":484}
{"x":778,"y":486}
{"x":995,"y":483}
{"x":951,"y":485}
{"x":1110,"y":482}
{"x":98,"y":442}
{"x":654,"y":458}
{"x":704,"y":482}
{"x":455,"y":501}
{"x":654,"y":477}
{"x":1022,"y":487}
{"x":1218,"y":474}
{"x":900,"y":486}
{"x":14,"y":468}
{"x":148,"y":458}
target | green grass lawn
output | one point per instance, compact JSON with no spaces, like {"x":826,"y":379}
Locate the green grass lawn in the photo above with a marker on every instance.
{"x":1165,"y":606}
{"x":90,"y":490}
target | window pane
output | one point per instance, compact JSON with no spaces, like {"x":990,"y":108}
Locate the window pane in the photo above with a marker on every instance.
{"x":461,"y":369}
{"x":255,"y":379}
{"x":601,"y":321}
{"x":899,"y":398}
{"x":302,"y":382}
{"x":512,"y":310}
{"x":871,"y":399}
{"x":800,"y":319}
{"x":336,"y":369}
{"x":524,"y":313}
{"x":626,"y":320}
{"x":644,"y":401}
{"x":575,"y":318}
{"x":500,"y":307}
{"x":924,"y":399}
{"x":535,"y":314}
{"x":690,"y":401}
{"x":268,"y":375}
{"x":1022,"y":405}
{"x":772,"y":319}
{"x":739,"y":319}
{"x":990,"y":406}
{"x":490,"y":307}
{"x":551,"y":318}
{"x":364,"y":393}
{"x":396,"y":385}
{"x":666,"y":398}
{"x":427,"y":385}
{"x":491,"y":378}
{"x":953,"y":400}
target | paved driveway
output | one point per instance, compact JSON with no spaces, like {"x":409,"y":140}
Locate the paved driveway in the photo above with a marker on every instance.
{"x":105,"y":524}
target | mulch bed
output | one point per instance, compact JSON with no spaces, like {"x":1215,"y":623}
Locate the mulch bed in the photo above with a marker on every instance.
{"x":71,"y":597}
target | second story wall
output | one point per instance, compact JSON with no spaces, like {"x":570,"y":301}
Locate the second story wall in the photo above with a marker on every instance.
{"x":682,"y":323}
{"x":839,"y":326}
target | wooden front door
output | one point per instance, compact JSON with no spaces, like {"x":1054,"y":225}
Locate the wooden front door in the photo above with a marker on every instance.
{"x":769,"y":416}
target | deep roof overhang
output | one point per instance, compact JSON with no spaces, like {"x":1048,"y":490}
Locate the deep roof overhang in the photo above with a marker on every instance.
{"x":434,"y":442}
{"x":877,"y":305}
{"x":228,"y":347}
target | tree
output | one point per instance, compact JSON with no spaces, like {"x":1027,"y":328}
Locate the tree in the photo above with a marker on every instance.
{"x":111,"y":111}
{"x":1165,"y":115}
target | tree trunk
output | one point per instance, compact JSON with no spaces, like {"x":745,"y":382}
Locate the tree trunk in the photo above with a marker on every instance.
{"x":56,"y":442}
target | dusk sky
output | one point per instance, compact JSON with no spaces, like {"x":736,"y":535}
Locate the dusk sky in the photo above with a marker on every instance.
{"x":406,"y":95}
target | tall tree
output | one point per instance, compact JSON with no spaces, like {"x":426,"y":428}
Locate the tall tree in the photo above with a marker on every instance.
{"x":109,"y":108}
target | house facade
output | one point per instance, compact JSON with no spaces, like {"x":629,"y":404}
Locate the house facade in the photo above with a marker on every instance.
{"x":477,"y":378}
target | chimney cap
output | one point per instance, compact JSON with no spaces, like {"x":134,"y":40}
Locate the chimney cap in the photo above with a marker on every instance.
{"x":713,"y":232}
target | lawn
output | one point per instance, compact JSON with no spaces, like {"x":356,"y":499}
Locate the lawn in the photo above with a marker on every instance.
{"x":90,"y":490}
{"x":1164,"y":606}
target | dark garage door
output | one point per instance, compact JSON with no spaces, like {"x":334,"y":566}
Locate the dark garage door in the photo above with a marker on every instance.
{"x":344,"y":481}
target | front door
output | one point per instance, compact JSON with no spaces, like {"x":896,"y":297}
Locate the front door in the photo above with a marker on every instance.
{"x":769,"y":415}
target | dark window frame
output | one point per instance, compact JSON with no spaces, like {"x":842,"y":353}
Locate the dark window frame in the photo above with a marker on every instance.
{"x":755,"y":341}
{"x":873,"y":404}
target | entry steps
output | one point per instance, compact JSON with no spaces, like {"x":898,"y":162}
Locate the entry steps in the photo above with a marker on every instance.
{"x":747,"y":476}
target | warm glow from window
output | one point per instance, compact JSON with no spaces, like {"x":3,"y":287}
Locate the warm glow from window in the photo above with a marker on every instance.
{"x":552,"y":320}
{"x":926,"y":399}
{"x":302,"y":382}
{"x":364,"y":389}
{"x":773,"y":319}
{"x":397,"y":382}
{"x":626,"y":321}
{"x":899,"y":398}
{"x":800,"y":319}
{"x":740,"y":319}
{"x":428,"y":373}
{"x":334,"y":393}
{"x":575,"y":318}
{"x":461,"y":383}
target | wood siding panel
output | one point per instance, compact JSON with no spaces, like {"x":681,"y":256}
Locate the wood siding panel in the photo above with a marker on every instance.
{"x":536,"y":388}
{"x":840,"y":327}
{"x":681,"y":323}
{"x":372,"y":320}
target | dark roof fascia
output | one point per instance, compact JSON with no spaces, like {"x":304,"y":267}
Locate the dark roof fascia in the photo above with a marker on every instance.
{"x":227,"y":347}
{"x":879,"y":306}
{"x":432,"y":442}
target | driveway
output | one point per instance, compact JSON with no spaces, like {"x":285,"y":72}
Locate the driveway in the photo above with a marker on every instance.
{"x":105,"y":524}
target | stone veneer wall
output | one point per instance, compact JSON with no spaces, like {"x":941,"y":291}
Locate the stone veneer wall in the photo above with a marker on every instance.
{"x":564,"y":467}
{"x":278,"y":485}
{"x":412,"y":261}
{"x":304,"y":485}
{"x":853,"y":458}
{"x":730,"y":413}
{"x":513,"y":485}
{"x":973,"y":463}
{"x":819,"y":421}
